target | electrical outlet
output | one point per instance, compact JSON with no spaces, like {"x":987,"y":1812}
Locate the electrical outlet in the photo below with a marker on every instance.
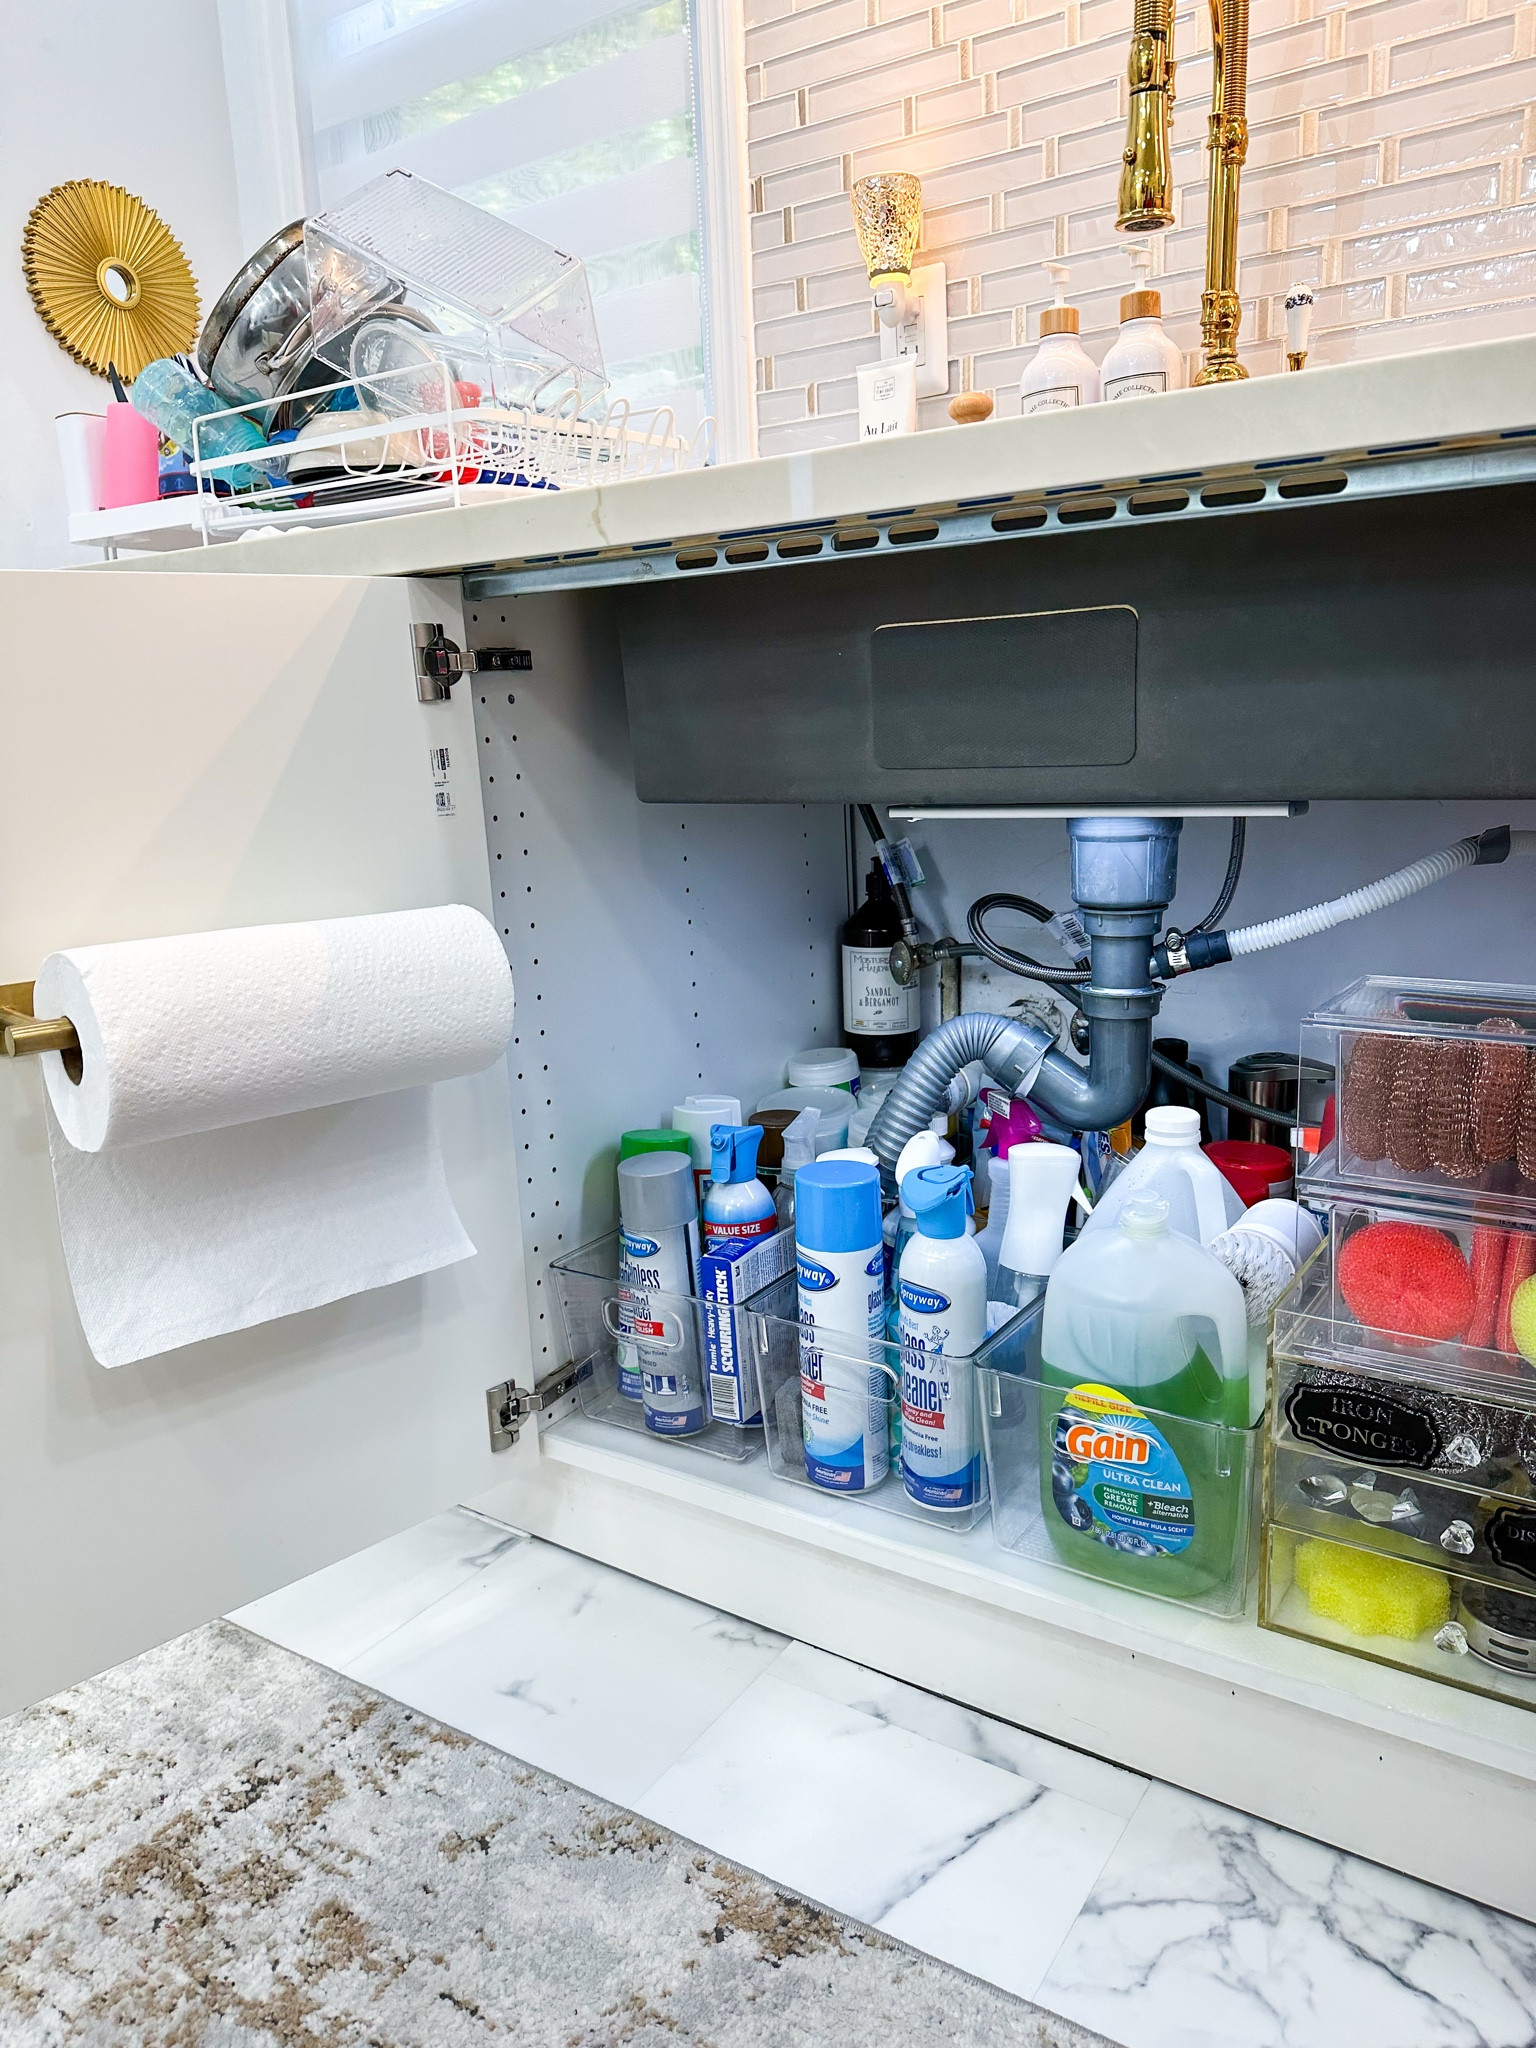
{"x":924,"y":337}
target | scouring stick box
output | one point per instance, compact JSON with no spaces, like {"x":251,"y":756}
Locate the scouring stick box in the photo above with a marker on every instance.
{"x":727,"y":1278}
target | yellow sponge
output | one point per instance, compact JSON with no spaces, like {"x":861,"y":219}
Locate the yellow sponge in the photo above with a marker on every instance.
{"x":1522,"y":1317}
{"x":1371,"y":1595}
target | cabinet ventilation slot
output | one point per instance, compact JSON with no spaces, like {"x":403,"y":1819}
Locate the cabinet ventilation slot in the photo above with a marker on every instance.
{"x":1271,"y":486}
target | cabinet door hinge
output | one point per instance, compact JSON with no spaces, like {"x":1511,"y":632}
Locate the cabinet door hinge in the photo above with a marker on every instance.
{"x":439,"y":664}
{"x":508,"y":1406}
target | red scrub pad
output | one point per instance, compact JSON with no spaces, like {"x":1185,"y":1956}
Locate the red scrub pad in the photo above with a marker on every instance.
{"x":1488,"y":1247}
{"x":1406,"y":1277}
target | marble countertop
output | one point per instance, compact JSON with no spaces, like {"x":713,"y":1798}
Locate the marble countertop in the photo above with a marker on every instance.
{"x":1479,"y":391}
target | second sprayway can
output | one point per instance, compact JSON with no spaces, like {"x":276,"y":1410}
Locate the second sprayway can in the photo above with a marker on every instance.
{"x":840,"y":1267}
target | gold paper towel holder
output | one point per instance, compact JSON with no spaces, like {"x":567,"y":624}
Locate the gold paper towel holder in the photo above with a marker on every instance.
{"x":22,"y":1032}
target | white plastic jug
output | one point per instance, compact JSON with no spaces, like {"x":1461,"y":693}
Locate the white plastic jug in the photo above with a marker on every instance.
{"x":1202,"y":1202}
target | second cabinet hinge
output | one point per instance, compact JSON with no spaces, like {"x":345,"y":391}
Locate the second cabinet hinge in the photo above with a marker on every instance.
{"x":439,"y":663}
{"x":508,"y":1406}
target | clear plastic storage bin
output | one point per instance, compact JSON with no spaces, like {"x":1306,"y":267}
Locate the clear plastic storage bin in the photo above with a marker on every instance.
{"x":1420,"y":1618}
{"x":683,"y":1338}
{"x":402,"y":255}
{"x":1032,"y":1481}
{"x":855,"y":1363}
{"x":1400,"y":1454}
{"x":1436,"y":1092}
{"x":1486,"y":1531}
{"x":1411,"y":1299}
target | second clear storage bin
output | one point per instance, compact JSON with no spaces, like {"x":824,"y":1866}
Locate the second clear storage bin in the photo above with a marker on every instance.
{"x":667,"y":1366}
{"x":1088,"y":1480}
{"x":796,"y":1366}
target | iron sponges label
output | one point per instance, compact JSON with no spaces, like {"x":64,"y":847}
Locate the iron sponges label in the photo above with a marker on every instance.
{"x":1115,"y":1478}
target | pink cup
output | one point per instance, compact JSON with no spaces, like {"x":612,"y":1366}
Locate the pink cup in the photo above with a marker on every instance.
{"x":130,"y":459}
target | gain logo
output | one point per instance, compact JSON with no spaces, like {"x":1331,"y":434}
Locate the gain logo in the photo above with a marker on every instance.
{"x":1091,"y":1444}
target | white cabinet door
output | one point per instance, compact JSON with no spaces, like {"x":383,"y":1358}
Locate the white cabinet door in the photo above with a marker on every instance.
{"x":178,"y":753}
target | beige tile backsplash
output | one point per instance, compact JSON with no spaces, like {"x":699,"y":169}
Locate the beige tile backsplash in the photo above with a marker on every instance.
{"x":1392,"y":166}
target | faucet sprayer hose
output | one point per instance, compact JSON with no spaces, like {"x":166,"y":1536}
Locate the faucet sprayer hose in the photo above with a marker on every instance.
{"x":1322,"y":917}
{"x":1234,"y":24}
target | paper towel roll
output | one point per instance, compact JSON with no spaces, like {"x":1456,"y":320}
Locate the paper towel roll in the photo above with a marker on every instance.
{"x":199,"y":1032}
{"x":252,"y":1132}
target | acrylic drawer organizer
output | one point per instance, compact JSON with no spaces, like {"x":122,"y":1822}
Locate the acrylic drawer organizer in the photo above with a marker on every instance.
{"x":853,"y":1363}
{"x":1037,"y":1460}
{"x":1400,"y":1463}
{"x":682,"y":1334}
{"x":1437,"y":1093}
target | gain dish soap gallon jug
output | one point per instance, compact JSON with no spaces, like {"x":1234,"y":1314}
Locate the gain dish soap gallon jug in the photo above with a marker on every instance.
{"x":1144,"y":1358}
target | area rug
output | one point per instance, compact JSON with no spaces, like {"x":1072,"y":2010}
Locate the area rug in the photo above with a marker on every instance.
{"x":221,"y":1845}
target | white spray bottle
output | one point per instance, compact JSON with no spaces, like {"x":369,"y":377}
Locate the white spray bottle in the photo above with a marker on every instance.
{"x":1042,"y":1180}
{"x":1061,"y":374}
{"x":942,"y":1287}
{"x":799,"y":1150}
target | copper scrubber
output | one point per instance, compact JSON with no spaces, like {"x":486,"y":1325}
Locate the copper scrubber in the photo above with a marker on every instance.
{"x":1497,"y":1086}
{"x":1448,"y":1109}
{"x":1368,"y":1080}
{"x":1407,"y":1147}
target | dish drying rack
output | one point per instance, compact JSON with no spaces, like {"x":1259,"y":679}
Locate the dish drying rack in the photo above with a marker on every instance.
{"x":399,"y":441}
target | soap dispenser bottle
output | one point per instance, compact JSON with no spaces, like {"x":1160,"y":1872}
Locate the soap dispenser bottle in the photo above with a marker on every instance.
{"x":1062,"y":373}
{"x":1143,"y":360}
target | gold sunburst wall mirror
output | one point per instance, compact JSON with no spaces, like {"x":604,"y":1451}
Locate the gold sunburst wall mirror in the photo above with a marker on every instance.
{"x":108,"y":277}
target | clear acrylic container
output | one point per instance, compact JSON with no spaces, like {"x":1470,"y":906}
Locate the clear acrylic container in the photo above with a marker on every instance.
{"x":1400,"y":1453}
{"x":1417,"y":1618}
{"x":1413,"y":1290}
{"x":1487,"y":1532}
{"x":856,"y":1363}
{"x":685,"y":1336}
{"x":1031,"y":1480}
{"x":1437,"y":1091}
{"x":402,"y":253}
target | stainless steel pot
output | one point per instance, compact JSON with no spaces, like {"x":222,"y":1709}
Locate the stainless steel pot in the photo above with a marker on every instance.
{"x":255,"y":343}
{"x":256,"y":346}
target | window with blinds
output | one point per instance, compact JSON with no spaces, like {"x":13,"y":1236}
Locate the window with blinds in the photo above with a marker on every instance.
{"x":575,"y":122}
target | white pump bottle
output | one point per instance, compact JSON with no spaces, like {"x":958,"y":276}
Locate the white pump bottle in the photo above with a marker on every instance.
{"x":1061,"y":374}
{"x":1143,"y":360}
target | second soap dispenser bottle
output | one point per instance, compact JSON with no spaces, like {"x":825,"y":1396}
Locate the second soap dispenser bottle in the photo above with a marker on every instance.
{"x":1143,"y":359}
{"x":1061,"y":374}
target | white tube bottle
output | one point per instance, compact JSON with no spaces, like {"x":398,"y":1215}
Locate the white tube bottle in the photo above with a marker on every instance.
{"x":1061,"y":374}
{"x":942,"y":1286}
{"x":1143,"y":361}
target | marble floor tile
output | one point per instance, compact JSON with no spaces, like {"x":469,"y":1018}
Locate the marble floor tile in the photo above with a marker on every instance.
{"x":337,"y":1615}
{"x":962,"y":1857}
{"x":1027,"y":1755}
{"x":587,"y":1672}
{"x":1209,"y":1929}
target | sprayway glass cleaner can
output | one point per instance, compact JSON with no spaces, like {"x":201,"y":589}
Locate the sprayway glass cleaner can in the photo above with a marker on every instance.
{"x":942,"y":1288}
{"x":840,"y":1265}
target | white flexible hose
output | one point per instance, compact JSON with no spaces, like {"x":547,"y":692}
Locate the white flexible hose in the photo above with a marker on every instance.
{"x":1322,"y":917}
